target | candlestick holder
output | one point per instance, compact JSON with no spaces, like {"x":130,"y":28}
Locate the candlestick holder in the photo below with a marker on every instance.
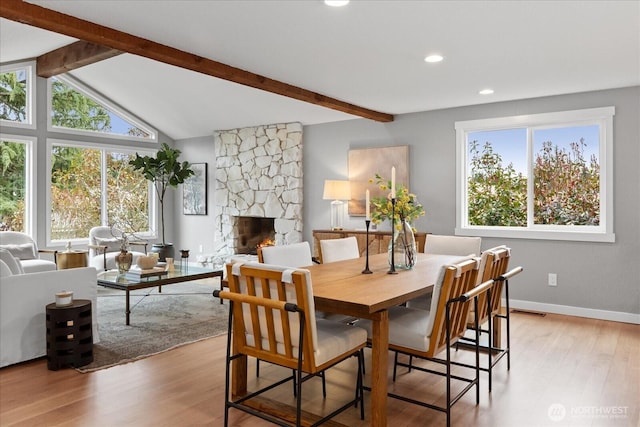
{"x":366,"y":268}
{"x":392,"y":268}
{"x":184,"y":259}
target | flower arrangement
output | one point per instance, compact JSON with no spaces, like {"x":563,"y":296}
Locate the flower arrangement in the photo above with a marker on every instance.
{"x":407,"y":206}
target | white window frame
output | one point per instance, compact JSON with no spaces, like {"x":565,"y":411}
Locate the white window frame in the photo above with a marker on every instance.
{"x":30,"y":207}
{"x":598,"y":116}
{"x":153,"y":199}
{"x":85,"y":90}
{"x":30,"y":110}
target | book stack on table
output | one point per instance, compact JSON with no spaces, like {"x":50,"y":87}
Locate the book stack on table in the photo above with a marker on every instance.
{"x":137,"y":273}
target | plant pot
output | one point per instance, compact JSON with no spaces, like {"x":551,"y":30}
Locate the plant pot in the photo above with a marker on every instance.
{"x":164,"y":251}
{"x":123,"y":261}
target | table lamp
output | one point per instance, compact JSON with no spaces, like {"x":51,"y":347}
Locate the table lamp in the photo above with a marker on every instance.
{"x":336,"y":191}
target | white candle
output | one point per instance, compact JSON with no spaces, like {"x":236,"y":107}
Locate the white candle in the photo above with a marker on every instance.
{"x":393,"y":182}
{"x":366,"y":203}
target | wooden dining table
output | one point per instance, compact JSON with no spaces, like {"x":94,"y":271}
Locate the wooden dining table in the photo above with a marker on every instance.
{"x":341,"y":287}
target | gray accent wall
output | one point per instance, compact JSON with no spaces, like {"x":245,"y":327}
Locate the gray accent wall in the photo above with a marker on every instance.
{"x":594,"y":279}
{"x":599,"y":280}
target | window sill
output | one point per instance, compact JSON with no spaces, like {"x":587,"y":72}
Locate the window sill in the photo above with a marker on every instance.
{"x":512,"y":233}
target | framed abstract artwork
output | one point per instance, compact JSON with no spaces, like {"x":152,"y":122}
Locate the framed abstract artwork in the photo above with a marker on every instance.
{"x":194,"y":191}
{"x":365,"y":163}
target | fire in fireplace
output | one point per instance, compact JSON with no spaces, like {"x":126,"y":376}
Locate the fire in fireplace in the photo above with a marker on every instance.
{"x":251,"y":231}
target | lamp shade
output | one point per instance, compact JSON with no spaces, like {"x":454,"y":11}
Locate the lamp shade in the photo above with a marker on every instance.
{"x":336,"y":190}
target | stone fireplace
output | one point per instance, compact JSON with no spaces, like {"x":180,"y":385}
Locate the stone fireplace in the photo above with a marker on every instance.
{"x":259,"y":174}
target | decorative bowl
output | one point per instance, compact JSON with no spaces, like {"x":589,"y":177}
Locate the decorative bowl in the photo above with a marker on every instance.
{"x":146,"y":262}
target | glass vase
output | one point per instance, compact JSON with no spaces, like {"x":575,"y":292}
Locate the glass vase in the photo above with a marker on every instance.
{"x":124,"y":260}
{"x":404,"y":247}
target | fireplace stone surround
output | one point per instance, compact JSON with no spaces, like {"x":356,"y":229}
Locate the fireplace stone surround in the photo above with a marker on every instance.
{"x":259,"y":174}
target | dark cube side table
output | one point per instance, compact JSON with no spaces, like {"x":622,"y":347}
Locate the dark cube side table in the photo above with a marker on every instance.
{"x":69,"y":335}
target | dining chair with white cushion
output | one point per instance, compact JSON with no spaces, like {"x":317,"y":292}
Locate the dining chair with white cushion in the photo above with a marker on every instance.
{"x":272,"y":318}
{"x":426,"y":334}
{"x":332,"y":250}
{"x":452,"y":245}
{"x":446,"y":245}
{"x":292,"y":255}
{"x":494,"y":265}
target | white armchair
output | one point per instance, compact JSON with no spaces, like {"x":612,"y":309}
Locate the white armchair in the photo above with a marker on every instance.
{"x":23,"y":247}
{"x":104,"y":245}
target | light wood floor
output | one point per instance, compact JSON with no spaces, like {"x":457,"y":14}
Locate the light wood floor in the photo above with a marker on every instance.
{"x":589,"y":369}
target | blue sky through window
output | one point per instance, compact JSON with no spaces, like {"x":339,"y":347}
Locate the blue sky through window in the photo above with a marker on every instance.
{"x":511,"y":144}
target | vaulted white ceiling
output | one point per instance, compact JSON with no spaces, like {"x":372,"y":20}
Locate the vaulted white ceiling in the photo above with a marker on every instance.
{"x":369,"y":53}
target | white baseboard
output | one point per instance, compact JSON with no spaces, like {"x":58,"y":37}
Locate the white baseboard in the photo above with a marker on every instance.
{"x":568,"y":310}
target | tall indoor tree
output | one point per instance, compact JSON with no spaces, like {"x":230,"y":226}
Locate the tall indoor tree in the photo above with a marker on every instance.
{"x":164,"y":171}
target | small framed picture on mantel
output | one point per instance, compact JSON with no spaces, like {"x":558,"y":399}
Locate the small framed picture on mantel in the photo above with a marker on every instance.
{"x":194,"y":191}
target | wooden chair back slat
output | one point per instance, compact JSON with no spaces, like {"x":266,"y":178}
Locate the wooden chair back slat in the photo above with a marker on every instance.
{"x":274,"y":330}
{"x":497,"y":263}
{"x":456,"y":282}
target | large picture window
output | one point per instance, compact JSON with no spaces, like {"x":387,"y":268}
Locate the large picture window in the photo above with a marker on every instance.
{"x":17,"y":95}
{"x":545,"y":176}
{"x":16,"y":183}
{"x":76,"y":108}
{"x":94,"y":185}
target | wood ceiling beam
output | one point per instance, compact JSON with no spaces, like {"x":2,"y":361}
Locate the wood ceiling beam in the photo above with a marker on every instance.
{"x":37,"y":16}
{"x":73,"y":56}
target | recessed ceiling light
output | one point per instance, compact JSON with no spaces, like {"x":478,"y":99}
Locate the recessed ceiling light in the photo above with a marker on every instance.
{"x":486,"y":92}
{"x":433,"y":58}
{"x":336,"y":3}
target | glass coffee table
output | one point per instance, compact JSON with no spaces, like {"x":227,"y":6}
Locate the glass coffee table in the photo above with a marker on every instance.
{"x":129,"y":282}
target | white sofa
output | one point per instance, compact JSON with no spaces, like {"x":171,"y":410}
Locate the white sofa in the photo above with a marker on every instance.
{"x":23,"y":298}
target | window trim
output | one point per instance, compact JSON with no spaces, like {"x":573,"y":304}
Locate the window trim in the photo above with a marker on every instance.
{"x":30,"y":203}
{"x":30,"y":110}
{"x":85,"y":90}
{"x":153,"y":199}
{"x":602,"y":116}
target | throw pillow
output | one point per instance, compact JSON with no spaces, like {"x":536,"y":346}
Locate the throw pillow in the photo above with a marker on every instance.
{"x":11,"y":262}
{"x":22,"y":251}
{"x":113,"y":245}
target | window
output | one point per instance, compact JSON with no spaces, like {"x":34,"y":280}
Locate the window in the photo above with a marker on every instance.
{"x":94,"y":185}
{"x":17,"y":95}
{"x":77,"y":109}
{"x":542,"y":176}
{"x":16,"y":183}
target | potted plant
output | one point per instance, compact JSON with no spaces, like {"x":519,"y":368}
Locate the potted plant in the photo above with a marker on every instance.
{"x":165,"y":171}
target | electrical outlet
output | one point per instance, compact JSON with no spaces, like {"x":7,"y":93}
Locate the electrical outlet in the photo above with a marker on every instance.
{"x":553,"y":279}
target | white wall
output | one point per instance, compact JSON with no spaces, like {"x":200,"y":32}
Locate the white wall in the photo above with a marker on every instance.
{"x":599,"y":280}
{"x":193,"y":231}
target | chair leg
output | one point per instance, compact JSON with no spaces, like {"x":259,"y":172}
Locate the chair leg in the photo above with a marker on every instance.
{"x":395,"y":366}
{"x":508,"y":318}
{"x":360,"y":381}
{"x":295,"y":383}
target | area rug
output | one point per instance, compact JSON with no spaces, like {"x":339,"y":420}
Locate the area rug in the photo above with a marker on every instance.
{"x":183,"y":313}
